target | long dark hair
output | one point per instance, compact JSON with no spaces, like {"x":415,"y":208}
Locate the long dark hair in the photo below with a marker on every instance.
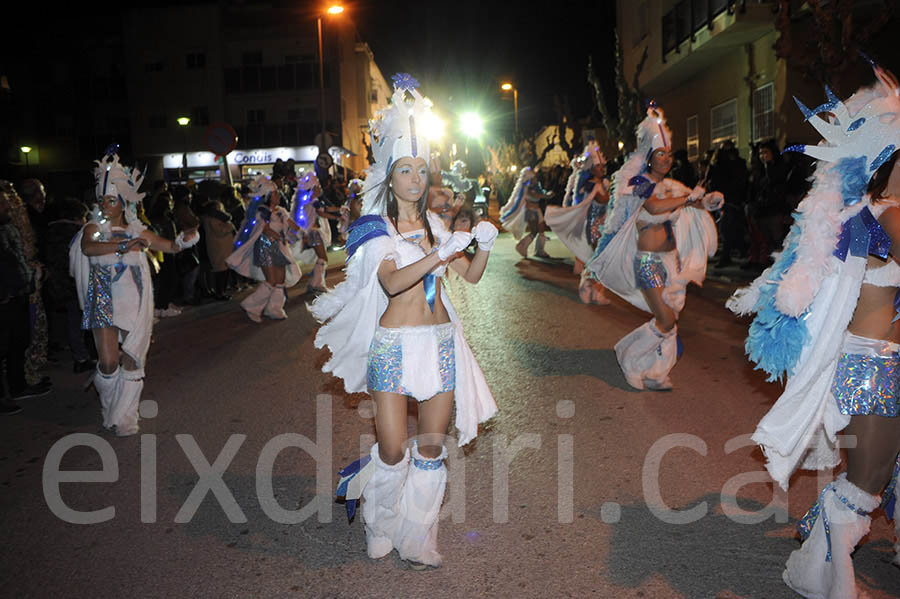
{"x":387,"y":196}
{"x":879,"y":180}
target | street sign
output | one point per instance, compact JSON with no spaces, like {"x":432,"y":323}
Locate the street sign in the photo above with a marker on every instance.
{"x":324,"y":161}
{"x":221,"y":138}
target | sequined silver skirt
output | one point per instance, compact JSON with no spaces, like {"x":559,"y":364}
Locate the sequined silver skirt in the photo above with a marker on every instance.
{"x":430,"y":353}
{"x":649,"y":270}
{"x":865,"y":381}
{"x":267,"y":252}
{"x":98,"y":312}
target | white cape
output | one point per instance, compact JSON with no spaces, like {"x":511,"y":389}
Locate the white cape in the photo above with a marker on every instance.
{"x":241,"y":259}
{"x":350,"y":314}
{"x":568,"y":223}
{"x":137,"y":342}
{"x":801,"y":428}
{"x":696,"y":239}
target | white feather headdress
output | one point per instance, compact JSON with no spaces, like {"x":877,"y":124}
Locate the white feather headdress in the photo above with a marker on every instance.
{"x":398,"y":130}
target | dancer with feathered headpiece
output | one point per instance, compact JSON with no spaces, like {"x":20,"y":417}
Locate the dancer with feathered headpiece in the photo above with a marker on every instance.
{"x":826,"y":318}
{"x":261,"y":252}
{"x":656,"y":239}
{"x":108,"y":261}
{"x":522,"y":215}
{"x":393,"y":333}
{"x":579,"y":222}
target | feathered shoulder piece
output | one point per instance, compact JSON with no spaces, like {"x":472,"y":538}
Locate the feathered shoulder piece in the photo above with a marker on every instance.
{"x":833,"y":222}
{"x":364,"y":229}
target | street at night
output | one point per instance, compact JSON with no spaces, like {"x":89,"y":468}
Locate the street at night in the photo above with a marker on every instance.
{"x":579,"y":511}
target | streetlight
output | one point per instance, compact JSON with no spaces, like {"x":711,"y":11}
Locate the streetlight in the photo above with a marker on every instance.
{"x":26,"y":150}
{"x":507,"y":87}
{"x":334,"y":9}
{"x":471,"y":124}
{"x":183,"y":122}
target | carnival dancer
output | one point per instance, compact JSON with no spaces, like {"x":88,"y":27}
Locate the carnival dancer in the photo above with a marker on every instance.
{"x":262,"y":253}
{"x":392,"y":332}
{"x":579,"y":222}
{"x":109,"y":264}
{"x":522,"y":215}
{"x":351,"y":209}
{"x":826,"y":317}
{"x":656,"y":239}
{"x":312,"y":215}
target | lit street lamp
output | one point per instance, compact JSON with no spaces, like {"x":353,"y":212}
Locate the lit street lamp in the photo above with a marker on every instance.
{"x":183,"y":122}
{"x":26,"y":150}
{"x":507,"y":87}
{"x":332,"y":10}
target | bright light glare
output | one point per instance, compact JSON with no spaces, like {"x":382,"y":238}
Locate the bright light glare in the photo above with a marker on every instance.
{"x":335,"y":10}
{"x":512,"y":169}
{"x":183,"y":121}
{"x":621,"y":145}
{"x":506,"y":87}
{"x":471,"y":124}
{"x":434,"y":127}
{"x":25,"y":149}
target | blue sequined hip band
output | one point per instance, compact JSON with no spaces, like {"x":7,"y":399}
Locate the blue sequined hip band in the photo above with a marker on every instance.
{"x":649,"y":270}
{"x":385,"y":367}
{"x":865,"y":381}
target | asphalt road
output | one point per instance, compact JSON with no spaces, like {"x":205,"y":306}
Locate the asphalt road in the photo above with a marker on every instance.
{"x":579,"y":487}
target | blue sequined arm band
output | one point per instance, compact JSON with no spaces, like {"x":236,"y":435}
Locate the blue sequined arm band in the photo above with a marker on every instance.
{"x":362,"y":230}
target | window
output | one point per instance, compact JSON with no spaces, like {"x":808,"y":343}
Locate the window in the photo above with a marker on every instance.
{"x":764,"y":112}
{"x":196,"y":60}
{"x":232,"y":80}
{"x":693,"y":138}
{"x":286,"y":77}
{"x":267,"y":78}
{"x":723,"y":123}
{"x":250,"y":79}
{"x":200,"y":116}
{"x":256,"y":116}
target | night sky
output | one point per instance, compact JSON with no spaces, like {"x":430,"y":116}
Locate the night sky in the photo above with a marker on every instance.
{"x":460,"y":52}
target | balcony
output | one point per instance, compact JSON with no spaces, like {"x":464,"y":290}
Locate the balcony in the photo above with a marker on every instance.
{"x":696,"y":33}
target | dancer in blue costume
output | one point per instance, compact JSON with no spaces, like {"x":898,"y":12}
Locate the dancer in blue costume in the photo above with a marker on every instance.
{"x":826,"y":317}
{"x":393,"y":333}
{"x":656,"y":239}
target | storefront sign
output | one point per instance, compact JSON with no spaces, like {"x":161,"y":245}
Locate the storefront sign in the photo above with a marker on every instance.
{"x":243,"y":157}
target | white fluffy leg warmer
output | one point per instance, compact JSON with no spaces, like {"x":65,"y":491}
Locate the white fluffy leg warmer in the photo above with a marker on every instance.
{"x":823,"y":567}
{"x":123,"y":413}
{"x":254,"y":303}
{"x":647,"y":355}
{"x":108,"y":386}
{"x":380,"y":507}
{"x":420,"y":505}
{"x":275,"y":305}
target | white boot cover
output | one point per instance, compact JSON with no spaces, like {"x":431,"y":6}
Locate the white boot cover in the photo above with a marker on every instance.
{"x":380,"y":507}
{"x":107,"y":386}
{"x":275,"y":305}
{"x":823,"y":567}
{"x":318,"y":277}
{"x":420,"y":505}
{"x":646,"y":356}
{"x":123,"y":413}
{"x":254,"y":303}
{"x":522,"y":246}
